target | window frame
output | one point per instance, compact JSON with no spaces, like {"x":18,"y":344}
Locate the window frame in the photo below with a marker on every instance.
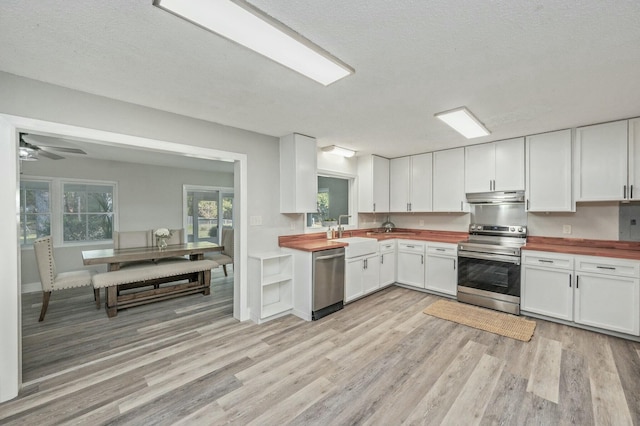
{"x":352,"y":211}
{"x":22,"y":215}
{"x":56,"y":204}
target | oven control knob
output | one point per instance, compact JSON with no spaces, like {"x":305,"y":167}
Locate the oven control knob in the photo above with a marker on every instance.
{"x":512,"y":229}
{"x":519,"y":229}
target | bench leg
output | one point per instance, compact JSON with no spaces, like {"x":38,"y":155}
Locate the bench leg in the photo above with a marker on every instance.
{"x":96,"y":296}
{"x":45,"y":304}
{"x":111,"y":305}
{"x":205,"y":276}
{"x":224,"y":268}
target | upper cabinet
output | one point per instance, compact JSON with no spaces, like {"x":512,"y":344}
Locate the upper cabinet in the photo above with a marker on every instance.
{"x":448,"y":181}
{"x":549,"y":172}
{"x":601,"y":163}
{"x":411,"y":183}
{"x":634,"y":159}
{"x":298,"y":174}
{"x":373,"y":184}
{"x":496,"y":166}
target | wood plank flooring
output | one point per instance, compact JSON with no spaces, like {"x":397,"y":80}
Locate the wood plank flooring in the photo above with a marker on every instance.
{"x":379,"y":361}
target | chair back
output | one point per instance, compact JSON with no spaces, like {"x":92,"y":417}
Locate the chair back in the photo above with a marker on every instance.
{"x":227,"y":241}
{"x":131,"y":239}
{"x":177,"y":237}
{"x":43,"y":248}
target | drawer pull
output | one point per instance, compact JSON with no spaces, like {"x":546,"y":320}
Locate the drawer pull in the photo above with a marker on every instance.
{"x":545,"y":261}
{"x":609,"y":268}
{"x":440,"y":249}
{"x":408,"y":246}
{"x":569,"y":280}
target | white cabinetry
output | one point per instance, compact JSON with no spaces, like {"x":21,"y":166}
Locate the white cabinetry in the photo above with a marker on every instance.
{"x":634,"y":159}
{"x":272,"y":285}
{"x":411,"y":183}
{"x":373,"y":184}
{"x":607,"y":294}
{"x":547,"y":284}
{"x":298,"y":174}
{"x":362,"y":276}
{"x":496,"y":166}
{"x":448,"y":181}
{"x":411,"y":263}
{"x":442,"y":268}
{"x":549,"y":173}
{"x":601,"y":162}
{"x":388,"y":257}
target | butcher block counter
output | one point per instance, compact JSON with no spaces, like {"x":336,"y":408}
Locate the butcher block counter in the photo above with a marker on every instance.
{"x":603,"y":248}
{"x":319,"y":241}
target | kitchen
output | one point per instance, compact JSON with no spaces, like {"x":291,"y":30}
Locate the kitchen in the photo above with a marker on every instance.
{"x":28,"y":97}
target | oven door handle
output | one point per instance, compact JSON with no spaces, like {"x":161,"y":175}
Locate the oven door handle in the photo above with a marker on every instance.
{"x":489,"y":256}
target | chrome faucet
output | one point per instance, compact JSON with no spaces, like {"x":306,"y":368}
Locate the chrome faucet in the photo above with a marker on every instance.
{"x":340,"y":227}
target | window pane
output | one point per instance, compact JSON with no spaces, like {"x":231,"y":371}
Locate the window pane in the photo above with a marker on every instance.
{"x":35,"y":226}
{"x":74,"y":202}
{"x":74,"y":227}
{"x":227,"y":211}
{"x":100,"y":202}
{"x":333,"y":201}
{"x":208,"y":218}
{"x":35,"y":215}
{"x":99,"y":226}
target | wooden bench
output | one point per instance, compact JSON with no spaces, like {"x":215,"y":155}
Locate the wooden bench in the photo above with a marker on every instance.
{"x":197,"y":273}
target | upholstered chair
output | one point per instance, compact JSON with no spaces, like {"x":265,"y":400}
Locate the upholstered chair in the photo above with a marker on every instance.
{"x":177,"y":237}
{"x":225,"y":257}
{"x":52,"y":280}
{"x":133,"y":239}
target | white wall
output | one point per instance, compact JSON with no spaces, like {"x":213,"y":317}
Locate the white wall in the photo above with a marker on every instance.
{"x":597,"y":221}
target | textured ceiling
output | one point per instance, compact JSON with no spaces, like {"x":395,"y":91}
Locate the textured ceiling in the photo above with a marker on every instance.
{"x":521,"y":66}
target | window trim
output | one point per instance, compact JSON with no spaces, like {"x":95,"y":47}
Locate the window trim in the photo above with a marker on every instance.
{"x":56,"y":186}
{"x":353,"y":223}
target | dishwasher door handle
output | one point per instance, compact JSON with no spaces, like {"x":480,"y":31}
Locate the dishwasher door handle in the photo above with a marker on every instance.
{"x":329,"y":257}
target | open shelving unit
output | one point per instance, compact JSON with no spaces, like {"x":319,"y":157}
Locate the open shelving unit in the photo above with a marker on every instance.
{"x":271,"y":277}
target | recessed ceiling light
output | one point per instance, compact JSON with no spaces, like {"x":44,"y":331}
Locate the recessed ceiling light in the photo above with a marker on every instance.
{"x":333,"y":149}
{"x":464,"y":122}
{"x":244,"y":24}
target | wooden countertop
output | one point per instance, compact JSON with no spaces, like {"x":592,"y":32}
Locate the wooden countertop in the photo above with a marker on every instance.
{"x":318,"y":241}
{"x":604,"y":248}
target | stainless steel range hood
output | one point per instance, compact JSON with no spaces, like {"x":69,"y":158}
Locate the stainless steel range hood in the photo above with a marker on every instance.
{"x":496,"y":197}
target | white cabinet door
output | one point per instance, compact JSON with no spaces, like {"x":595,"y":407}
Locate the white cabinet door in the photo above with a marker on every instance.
{"x":353,"y":279}
{"x":399,"y":178}
{"x":373,"y":184}
{"x":411,"y":269}
{"x":421,"y":183}
{"x":298,"y":174}
{"x":479,"y":170}
{"x":387,"y":268}
{"x":448,"y":181}
{"x":549,"y":176}
{"x":441,"y":274}
{"x":509,"y":165}
{"x":371,"y":274}
{"x":601,"y":162}
{"x":608,"y":302}
{"x":634,"y":159}
{"x":547,"y":291}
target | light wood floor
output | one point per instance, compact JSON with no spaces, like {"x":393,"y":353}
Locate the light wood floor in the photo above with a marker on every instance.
{"x":379,"y":361}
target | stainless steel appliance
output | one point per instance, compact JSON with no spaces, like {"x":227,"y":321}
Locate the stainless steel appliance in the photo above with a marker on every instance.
{"x":489,"y":260}
{"x":489,"y":266}
{"x":328,"y":282}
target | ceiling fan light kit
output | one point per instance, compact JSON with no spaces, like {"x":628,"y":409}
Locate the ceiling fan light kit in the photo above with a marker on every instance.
{"x":464,"y":122}
{"x":243,"y":23}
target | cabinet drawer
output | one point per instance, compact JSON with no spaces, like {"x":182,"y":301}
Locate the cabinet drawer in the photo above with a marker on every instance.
{"x":443,"y":249}
{"x":547,"y":259}
{"x":411,"y":246}
{"x":608,"y":266}
{"x":386,"y":246}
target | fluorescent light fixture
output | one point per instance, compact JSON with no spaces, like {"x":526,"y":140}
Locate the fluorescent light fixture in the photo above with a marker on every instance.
{"x":244,"y":24}
{"x":464,"y":122}
{"x":332,"y":149}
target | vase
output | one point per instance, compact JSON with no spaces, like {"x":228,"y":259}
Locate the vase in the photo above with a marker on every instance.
{"x":162,"y":243}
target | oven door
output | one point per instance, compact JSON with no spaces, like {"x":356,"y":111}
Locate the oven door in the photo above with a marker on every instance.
{"x":493,"y":273}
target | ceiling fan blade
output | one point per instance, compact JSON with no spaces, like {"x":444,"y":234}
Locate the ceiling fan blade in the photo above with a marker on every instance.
{"x":62,"y":149}
{"x":50,"y":155}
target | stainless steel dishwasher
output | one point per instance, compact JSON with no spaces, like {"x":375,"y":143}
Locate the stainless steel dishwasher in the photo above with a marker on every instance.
{"x":328,"y":282}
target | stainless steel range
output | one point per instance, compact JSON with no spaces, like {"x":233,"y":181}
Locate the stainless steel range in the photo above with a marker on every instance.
{"x":489,"y":260}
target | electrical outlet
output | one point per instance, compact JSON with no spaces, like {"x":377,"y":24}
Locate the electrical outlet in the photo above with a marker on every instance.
{"x":421,"y":222}
{"x":566,"y":229}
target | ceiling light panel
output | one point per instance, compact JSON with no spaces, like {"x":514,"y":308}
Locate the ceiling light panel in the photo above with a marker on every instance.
{"x":244,"y":24}
{"x":337,"y":150}
{"x":464,"y":122}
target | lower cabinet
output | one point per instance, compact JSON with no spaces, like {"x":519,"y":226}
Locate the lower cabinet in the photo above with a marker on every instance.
{"x":387,"y":263}
{"x":594,"y":291}
{"x":411,"y":269}
{"x":362,"y":276}
{"x":272,"y":279}
{"x":442,"y":268}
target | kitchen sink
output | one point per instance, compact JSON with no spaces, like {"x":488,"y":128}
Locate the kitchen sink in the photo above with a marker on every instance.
{"x":358,"y":246}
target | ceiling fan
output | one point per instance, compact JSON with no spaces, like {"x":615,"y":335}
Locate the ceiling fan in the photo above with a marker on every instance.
{"x":33,"y":146}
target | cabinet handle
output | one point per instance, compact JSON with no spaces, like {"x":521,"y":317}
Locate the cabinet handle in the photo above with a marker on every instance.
{"x":527,"y":204}
{"x":422,"y":259}
{"x":569,"y":280}
{"x":610,"y":268}
{"x":624,"y":191}
{"x":454,"y":264}
{"x":374,"y":207}
{"x":461,"y":208}
{"x":577,"y":281}
{"x":440,"y":249}
{"x":410,"y":207}
{"x":365,"y":263}
{"x":382,"y":259}
{"x":631,"y":192}
{"x":545,"y":261}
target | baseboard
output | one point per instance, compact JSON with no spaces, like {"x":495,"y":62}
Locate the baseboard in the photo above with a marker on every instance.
{"x":31,"y":287}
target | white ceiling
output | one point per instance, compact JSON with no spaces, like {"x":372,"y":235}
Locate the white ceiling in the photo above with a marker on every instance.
{"x":520,"y":66}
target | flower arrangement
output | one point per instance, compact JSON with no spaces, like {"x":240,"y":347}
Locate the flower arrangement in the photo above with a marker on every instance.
{"x":162,"y":235}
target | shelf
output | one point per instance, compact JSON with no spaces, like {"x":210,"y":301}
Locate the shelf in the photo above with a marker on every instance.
{"x":274,"y":279}
{"x":275,"y":308}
